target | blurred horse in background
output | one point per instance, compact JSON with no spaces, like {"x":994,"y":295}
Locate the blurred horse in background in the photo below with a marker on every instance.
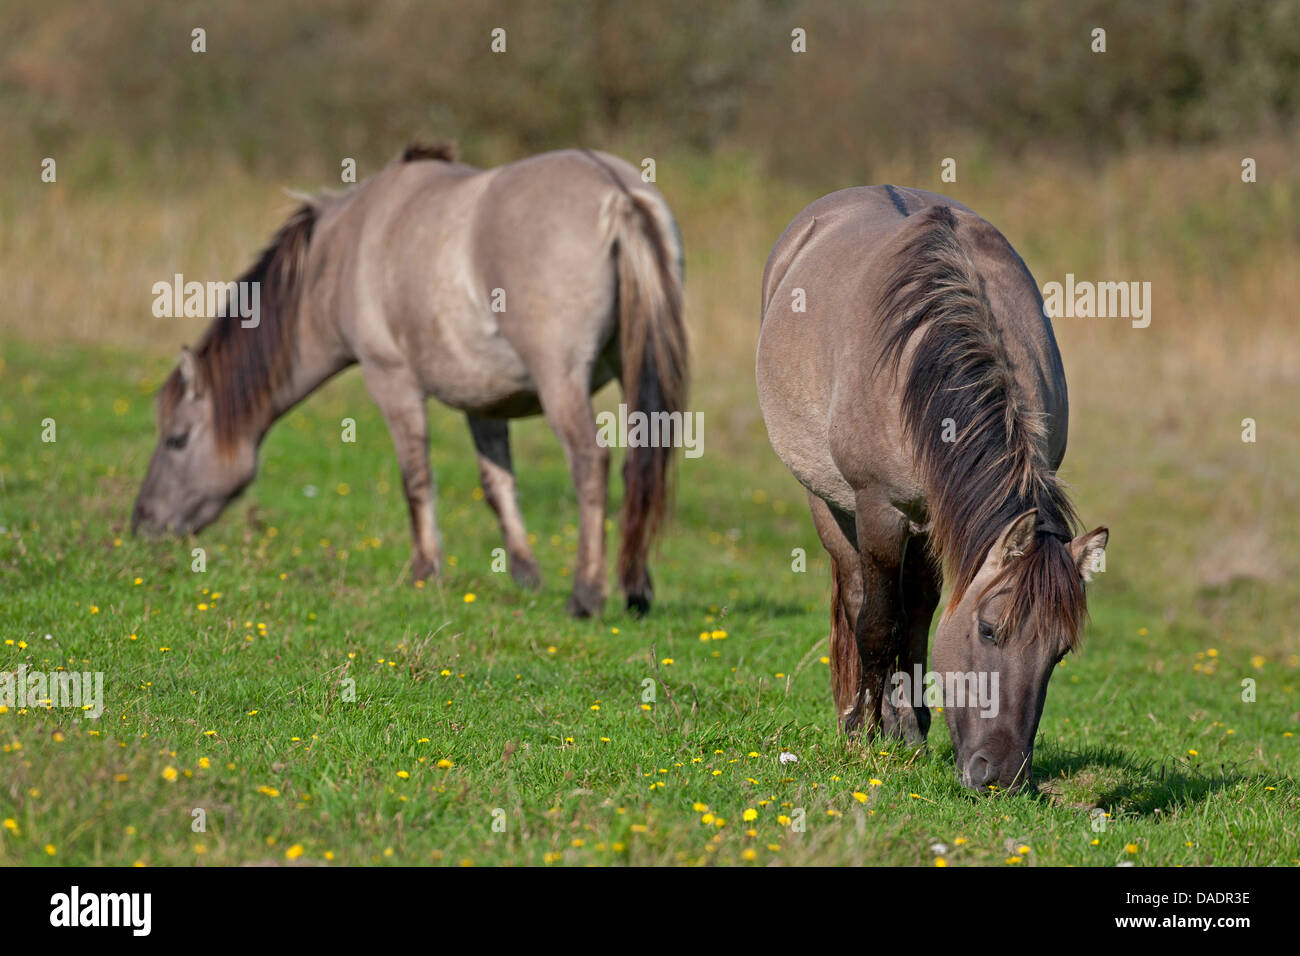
{"x":503,"y":293}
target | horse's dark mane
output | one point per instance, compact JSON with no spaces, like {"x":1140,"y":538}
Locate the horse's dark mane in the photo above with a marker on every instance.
{"x":244,"y":367}
{"x":996,"y":469}
{"x":443,"y":152}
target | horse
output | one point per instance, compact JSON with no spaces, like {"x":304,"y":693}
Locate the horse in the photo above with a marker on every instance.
{"x":503,"y":293}
{"x":909,"y":379}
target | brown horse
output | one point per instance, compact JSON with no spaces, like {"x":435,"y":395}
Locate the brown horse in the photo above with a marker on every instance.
{"x":910,"y":380}
{"x":502,"y":292}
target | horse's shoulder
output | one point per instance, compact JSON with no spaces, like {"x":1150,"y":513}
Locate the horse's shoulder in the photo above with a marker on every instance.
{"x":847,"y":222}
{"x":784,"y":252}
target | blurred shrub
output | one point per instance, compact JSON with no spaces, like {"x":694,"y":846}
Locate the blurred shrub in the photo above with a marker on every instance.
{"x":297,"y":84}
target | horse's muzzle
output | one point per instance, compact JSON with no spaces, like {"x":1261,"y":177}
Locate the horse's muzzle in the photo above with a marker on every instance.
{"x":983,"y":773}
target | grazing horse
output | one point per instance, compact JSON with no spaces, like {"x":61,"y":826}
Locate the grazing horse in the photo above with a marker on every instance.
{"x":502,"y":293}
{"x":910,"y":380}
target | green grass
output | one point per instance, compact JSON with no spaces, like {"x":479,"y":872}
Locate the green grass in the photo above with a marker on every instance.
{"x":542,"y":717}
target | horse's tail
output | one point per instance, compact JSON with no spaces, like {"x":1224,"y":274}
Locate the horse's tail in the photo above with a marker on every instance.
{"x":653,"y":347}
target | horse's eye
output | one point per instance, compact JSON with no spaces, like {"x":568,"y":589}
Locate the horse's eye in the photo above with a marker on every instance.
{"x":988,"y":632}
{"x":177,"y":442}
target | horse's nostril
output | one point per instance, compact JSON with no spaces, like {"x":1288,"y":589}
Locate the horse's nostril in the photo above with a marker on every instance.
{"x":979,"y":772}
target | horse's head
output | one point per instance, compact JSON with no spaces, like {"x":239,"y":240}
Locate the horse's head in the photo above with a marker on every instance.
{"x":195,"y":471}
{"x":998,"y":645}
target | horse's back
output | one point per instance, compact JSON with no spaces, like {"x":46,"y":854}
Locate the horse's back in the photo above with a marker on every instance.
{"x":856,"y":220}
{"x":473,"y":276}
{"x":536,"y":234}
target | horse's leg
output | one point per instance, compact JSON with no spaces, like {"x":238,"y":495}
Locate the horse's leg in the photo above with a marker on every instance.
{"x":839,"y":540}
{"x":921,"y":583}
{"x":492,"y":441}
{"x":402,"y":402}
{"x":567,"y":405}
{"x":880,"y":630}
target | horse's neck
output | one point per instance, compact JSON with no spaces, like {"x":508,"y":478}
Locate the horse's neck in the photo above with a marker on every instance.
{"x":318,"y":356}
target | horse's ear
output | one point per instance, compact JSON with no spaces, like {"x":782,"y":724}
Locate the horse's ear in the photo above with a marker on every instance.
{"x":1087,"y":550}
{"x":1017,"y":537}
{"x":191,"y":377}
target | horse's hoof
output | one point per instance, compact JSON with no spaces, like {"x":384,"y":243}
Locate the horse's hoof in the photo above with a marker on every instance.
{"x":583,"y":604}
{"x":422,"y":570}
{"x":910,"y":724}
{"x":640,"y":591}
{"x":525,"y":574}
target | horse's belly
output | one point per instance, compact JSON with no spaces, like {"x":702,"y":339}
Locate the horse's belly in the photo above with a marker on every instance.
{"x":478,"y":371}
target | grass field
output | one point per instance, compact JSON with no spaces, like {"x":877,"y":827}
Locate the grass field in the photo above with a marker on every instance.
{"x":476,"y":703}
